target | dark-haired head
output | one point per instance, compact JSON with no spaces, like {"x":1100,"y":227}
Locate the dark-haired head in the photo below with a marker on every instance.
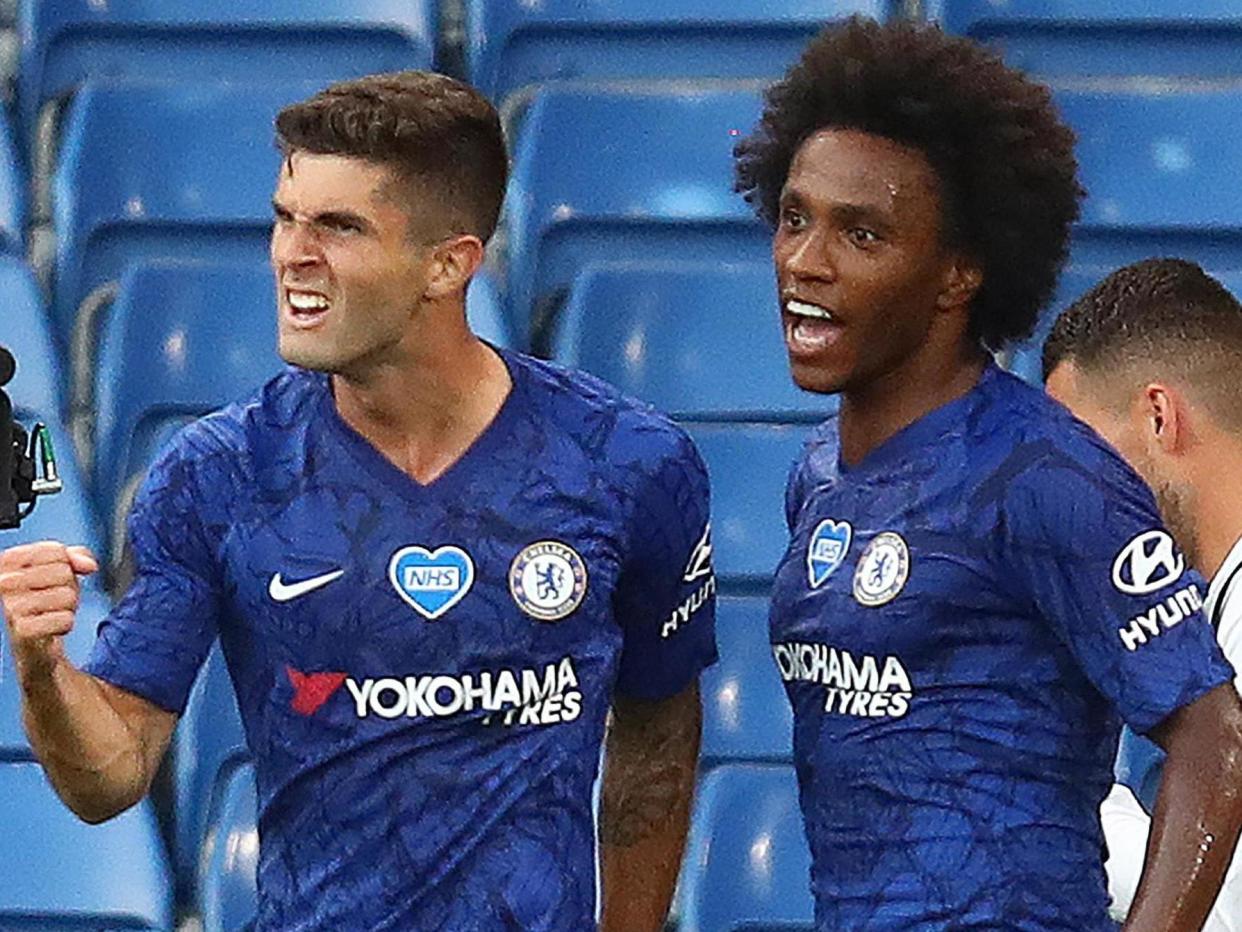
{"x":1150,"y":358}
{"x":1157,"y":319}
{"x":1001,"y":157}
{"x":441,"y":138}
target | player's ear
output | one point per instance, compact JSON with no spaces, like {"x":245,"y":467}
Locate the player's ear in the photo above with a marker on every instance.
{"x":452,"y":264}
{"x":962,"y":279}
{"x":1164,"y":417}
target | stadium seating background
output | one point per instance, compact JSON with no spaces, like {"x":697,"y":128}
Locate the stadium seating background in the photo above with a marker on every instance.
{"x":135,"y":169}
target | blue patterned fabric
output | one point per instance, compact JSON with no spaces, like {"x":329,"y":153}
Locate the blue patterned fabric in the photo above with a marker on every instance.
{"x":423,"y":671}
{"x":962,"y":620}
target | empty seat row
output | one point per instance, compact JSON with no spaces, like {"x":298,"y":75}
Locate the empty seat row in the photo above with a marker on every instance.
{"x":651,"y":178}
{"x":64,"y":43}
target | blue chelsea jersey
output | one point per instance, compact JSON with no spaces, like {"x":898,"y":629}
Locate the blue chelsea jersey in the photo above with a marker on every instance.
{"x":423,"y":671}
{"x":962,"y":621}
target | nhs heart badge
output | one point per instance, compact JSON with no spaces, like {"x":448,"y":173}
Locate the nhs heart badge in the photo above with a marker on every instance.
{"x":827,"y":549}
{"x":432,"y":582}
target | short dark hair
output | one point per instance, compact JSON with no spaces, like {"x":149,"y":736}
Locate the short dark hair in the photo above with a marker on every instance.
{"x":431,"y":129}
{"x":1150,"y":309}
{"x":1003,"y":157}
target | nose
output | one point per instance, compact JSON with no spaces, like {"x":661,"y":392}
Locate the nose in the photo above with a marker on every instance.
{"x":806,"y":258}
{"x":294,"y":245}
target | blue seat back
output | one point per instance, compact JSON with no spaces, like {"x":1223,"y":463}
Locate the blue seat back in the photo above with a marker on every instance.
{"x":13,"y":206}
{"x":748,"y":465}
{"x":208,"y":745}
{"x":747,"y":864}
{"x":485,"y":312}
{"x":57,"y":872}
{"x":651,"y":175}
{"x":1157,"y":169}
{"x":229,"y":887}
{"x":1139,"y":765}
{"x":140,"y":179}
{"x":182,"y":339}
{"x":514,"y":44}
{"x":37,"y":394}
{"x":66,"y":42}
{"x":1060,"y":39}
{"x":745,"y":713}
{"x":698,"y":340}
{"x":38,"y":385}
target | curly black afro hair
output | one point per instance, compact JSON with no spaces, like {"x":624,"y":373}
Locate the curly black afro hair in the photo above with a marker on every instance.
{"x":1004,"y":158}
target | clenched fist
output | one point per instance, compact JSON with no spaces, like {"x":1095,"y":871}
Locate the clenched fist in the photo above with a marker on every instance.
{"x":39,"y":593}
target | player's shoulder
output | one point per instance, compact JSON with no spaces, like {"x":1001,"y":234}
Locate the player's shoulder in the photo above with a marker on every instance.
{"x":226,"y":441}
{"x":611,"y":426}
{"x":1040,"y":447}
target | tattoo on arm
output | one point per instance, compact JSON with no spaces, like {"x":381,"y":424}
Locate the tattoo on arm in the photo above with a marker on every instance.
{"x":649,"y":769}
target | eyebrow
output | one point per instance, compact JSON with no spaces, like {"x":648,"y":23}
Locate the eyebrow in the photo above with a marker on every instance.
{"x":843,"y":212}
{"x":329,"y":217}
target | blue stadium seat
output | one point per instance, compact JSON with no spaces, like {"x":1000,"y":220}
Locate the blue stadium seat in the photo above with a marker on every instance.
{"x":208,"y":745}
{"x":1140,"y":762}
{"x":748,"y":464}
{"x":514,"y":44}
{"x":650,"y":176}
{"x":228,"y":891}
{"x":1058,"y":39}
{"x":1158,"y":171}
{"x":485,"y":312}
{"x":182,"y":339}
{"x":57,"y":873}
{"x":1025,"y":359}
{"x":12,"y":191}
{"x":152,"y":172}
{"x":700,"y":341}
{"x":66,"y":42}
{"x":36,"y":391}
{"x":745,"y":713}
{"x":38,"y":385}
{"x":747,"y":865}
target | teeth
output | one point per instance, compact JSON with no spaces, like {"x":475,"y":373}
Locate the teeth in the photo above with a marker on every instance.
{"x":303,"y":301}
{"x":802,"y":309}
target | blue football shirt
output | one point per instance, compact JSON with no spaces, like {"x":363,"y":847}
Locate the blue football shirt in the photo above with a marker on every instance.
{"x":423,"y":671}
{"x":962,"y":620}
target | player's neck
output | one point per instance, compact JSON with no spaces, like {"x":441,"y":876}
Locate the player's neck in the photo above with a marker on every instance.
{"x":873,"y":413}
{"x":1217,"y":507}
{"x":425,"y":408}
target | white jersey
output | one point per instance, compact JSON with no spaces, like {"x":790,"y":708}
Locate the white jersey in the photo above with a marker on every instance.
{"x":1126,"y":824}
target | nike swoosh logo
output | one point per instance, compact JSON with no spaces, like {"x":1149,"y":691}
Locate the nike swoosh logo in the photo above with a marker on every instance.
{"x":280,"y":591}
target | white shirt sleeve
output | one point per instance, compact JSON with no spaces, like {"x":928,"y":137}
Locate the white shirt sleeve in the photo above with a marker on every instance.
{"x":1126,"y":825}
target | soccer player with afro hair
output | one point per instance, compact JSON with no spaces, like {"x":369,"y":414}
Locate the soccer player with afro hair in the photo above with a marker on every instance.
{"x":978,"y":590}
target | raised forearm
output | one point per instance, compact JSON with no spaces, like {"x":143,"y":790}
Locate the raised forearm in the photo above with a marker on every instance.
{"x":96,"y":763}
{"x":1198,"y":816}
{"x":649,"y":772}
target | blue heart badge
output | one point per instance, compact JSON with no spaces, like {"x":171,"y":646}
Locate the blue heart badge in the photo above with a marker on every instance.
{"x":827,"y":549}
{"x":431,"y":582}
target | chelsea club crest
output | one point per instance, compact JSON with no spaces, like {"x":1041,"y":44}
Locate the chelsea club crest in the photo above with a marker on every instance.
{"x":548,"y":580}
{"x":882,"y":570}
{"x":827,"y":549}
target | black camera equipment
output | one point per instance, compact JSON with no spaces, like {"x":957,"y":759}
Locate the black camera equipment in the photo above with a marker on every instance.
{"x":21,"y":455}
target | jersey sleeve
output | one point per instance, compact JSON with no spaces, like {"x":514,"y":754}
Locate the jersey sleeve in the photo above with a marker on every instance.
{"x":158,"y":635}
{"x":666,"y":593}
{"x":1083,"y":541}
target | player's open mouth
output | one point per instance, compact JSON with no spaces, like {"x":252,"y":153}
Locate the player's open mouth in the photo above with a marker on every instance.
{"x":306,"y":309}
{"x":809,"y":328}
